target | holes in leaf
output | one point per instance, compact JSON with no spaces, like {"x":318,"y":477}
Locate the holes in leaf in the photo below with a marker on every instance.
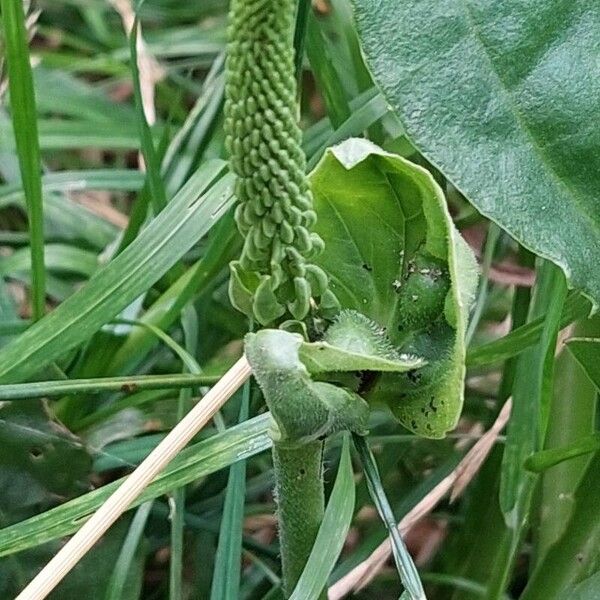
{"x":36,"y":453}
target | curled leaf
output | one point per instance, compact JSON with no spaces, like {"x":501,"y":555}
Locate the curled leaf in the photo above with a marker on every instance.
{"x":393,"y":254}
{"x":303,"y":410}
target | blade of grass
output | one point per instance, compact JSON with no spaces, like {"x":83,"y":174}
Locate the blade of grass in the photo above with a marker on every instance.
{"x":532,"y":391}
{"x":475,"y":555}
{"x":587,"y":353}
{"x":24,"y":117}
{"x":116,"y":585}
{"x":134,"y":383}
{"x":576,"y":307}
{"x":493,"y":235}
{"x":544,"y":459}
{"x":186,"y":219}
{"x":77,"y":181}
{"x":223,"y":245}
{"x":363,"y":117}
{"x":135,"y":484}
{"x":575,"y":555}
{"x":58,"y":257}
{"x":325,"y":73}
{"x":228,"y":559}
{"x":302,"y":13}
{"x":572,"y":423}
{"x":332,"y":532}
{"x":155,"y":182}
{"x":199,"y":460}
{"x":404,"y":563}
{"x":189,"y":322}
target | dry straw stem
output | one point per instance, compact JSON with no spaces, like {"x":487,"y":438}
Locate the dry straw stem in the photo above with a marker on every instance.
{"x":134,"y":485}
{"x":149,"y":68}
{"x":455,"y":483}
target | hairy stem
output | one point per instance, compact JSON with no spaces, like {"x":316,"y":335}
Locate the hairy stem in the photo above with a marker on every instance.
{"x":301,"y":504}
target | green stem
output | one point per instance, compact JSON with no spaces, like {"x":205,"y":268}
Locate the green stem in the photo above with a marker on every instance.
{"x":24,"y":120}
{"x":301,"y":505}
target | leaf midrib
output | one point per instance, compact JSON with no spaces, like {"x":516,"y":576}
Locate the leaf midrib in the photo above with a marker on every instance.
{"x":521,"y":122}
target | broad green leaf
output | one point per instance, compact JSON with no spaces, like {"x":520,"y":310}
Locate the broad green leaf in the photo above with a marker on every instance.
{"x":168,"y":237}
{"x":497,"y":95}
{"x":588,"y":589}
{"x":377,"y":212}
{"x":587,"y":353}
{"x":40,"y":459}
{"x":332,"y":533}
{"x":197,"y":461}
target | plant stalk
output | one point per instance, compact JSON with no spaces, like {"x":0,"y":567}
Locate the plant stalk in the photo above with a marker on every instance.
{"x":300,"y":504}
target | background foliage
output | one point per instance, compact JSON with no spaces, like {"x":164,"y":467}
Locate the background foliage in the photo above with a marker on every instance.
{"x":497,"y":101}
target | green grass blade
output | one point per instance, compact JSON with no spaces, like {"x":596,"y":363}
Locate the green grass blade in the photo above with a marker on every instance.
{"x":189,"y":322}
{"x":304,"y":7}
{"x":325,"y":73}
{"x":228,"y":559}
{"x":362,"y":118}
{"x":135,"y":383}
{"x":493,"y":236}
{"x":116,"y":585}
{"x":532,"y":390}
{"x":199,"y":460}
{"x":574,"y":556}
{"x":223,"y":246}
{"x":151,"y":159}
{"x":576,"y":307}
{"x":572,"y":424}
{"x":77,"y":181}
{"x":24,"y":118}
{"x":532,"y":387}
{"x":186,"y":358}
{"x":58,"y":257}
{"x":332,"y":532}
{"x":404,"y":563}
{"x":185,"y":220}
{"x":543,"y":460}
{"x":587,"y":353}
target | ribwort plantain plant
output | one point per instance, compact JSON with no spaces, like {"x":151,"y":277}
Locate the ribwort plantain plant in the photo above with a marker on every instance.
{"x":281,"y":280}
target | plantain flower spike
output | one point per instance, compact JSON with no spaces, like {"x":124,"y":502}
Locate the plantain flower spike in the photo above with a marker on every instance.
{"x":274,"y":277}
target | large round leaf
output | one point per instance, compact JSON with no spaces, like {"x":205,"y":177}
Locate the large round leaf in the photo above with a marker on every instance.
{"x":375,"y":212}
{"x":504,"y":98}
